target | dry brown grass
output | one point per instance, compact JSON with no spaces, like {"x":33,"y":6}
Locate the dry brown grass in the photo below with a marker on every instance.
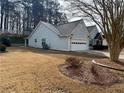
{"x":27,"y":70}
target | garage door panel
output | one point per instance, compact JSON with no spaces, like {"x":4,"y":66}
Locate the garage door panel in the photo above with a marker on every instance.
{"x":78,"y":45}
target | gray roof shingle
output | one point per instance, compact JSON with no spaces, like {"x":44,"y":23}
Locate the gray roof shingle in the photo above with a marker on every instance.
{"x":66,"y":29}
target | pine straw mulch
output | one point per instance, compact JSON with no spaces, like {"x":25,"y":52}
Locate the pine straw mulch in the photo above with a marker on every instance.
{"x":92,"y":74}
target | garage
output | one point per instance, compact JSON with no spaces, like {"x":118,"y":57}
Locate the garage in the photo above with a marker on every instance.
{"x":78,"y":45}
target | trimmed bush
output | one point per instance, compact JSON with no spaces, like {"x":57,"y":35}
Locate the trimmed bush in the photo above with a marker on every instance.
{"x":5,"y":41}
{"x":45,"y":46}
{"x":2,"y":48}
{"x":73,"y":62}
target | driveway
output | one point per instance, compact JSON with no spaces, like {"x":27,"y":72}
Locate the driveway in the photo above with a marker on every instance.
{"x":103,"y":53}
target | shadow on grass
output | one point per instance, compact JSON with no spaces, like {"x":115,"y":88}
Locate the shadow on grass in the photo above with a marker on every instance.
{"x":3,"y":52}
{"x":55,"y":52}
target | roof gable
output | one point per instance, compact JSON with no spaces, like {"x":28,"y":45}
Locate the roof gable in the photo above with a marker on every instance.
{"x":92,"y":28}
{"x":48,"y":25}
{"x":51,"y":27}
{"x":61,"y":30}
{"x":67,"y":29}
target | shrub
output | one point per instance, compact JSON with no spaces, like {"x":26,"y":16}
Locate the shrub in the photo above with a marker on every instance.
{"x":46,"y":47}
{"x":2,"y":48}
{"x":12,"y":39}
{"x":5,"y":41}
{"x":17,"y":39}
{"x":97,"y":47}
{"x":73,"y":62}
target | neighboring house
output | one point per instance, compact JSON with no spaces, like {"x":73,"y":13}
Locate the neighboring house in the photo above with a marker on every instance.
{"x":72,"y":36}
{"x":93,"y":31}
{"x":104,"y":42}
{"x":96,"y":37}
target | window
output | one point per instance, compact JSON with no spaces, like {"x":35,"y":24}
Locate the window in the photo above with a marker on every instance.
{"x":35,"y":40}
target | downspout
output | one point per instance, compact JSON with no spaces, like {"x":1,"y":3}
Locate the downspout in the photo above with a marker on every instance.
{"x":25,"y":42}
{"x":70,"y":41}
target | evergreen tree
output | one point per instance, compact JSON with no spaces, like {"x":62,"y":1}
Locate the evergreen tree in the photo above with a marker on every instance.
{"x":24,"y":15}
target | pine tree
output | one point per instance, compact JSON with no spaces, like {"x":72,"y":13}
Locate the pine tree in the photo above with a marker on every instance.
{"x":29,"y":15}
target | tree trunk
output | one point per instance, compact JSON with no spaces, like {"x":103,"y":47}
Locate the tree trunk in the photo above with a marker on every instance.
{"x":6,"y":22}
{"x":1,"y":25}
{"x":114,"y":52}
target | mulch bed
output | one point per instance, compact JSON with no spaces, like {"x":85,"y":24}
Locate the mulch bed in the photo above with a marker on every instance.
{"x":91,"y":74}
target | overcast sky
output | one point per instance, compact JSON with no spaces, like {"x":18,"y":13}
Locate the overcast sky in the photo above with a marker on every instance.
{"x":70,"y":14}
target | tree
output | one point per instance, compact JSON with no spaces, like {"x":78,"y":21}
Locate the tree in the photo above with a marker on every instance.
{"x":2,"y":13}
{"x":48,"y":11}
{"x":8,"y":16}
{"x":22,"y":16}
{"x":27,"y":15}
{"x":109,"y":16}
{"x":36,"y":11}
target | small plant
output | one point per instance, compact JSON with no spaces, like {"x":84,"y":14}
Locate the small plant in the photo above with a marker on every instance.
{"x":46,"y":47}
{"x":2,"y":48}
{"x":73,"y":62}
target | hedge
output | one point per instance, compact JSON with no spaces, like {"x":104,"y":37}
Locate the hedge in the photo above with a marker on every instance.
{"x":2,"y":48}
{"x":13,"y":39}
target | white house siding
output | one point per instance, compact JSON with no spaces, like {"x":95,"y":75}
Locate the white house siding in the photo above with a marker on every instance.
{"x":51,"y":37}
{"x":82,"y":35}
{"x":105,"y":42}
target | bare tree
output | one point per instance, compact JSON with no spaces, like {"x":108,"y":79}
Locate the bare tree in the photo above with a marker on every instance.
{"x":109,"y":16}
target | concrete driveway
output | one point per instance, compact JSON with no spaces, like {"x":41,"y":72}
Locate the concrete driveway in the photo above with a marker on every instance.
{"x":103,"y":53}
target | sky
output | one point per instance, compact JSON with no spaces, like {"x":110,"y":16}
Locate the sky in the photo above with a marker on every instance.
{"x":70,"y":15}
{"x":73,"y":18}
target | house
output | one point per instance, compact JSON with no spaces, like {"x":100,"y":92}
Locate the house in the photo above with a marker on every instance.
{"x":104,"y":42}
{"x":72,"y":36}
{"x":96,"y":37}
{"x":93,"y":31}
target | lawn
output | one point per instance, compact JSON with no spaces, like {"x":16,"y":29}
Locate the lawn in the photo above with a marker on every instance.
{"x":28,"y":70}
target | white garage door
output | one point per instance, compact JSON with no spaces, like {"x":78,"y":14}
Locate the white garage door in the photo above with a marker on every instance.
{"x":78,"y":45}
